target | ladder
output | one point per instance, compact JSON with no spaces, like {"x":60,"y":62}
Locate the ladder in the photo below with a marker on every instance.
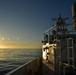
{"x":70,"y":52}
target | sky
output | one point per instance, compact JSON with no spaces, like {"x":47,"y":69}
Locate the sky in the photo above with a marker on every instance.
{"x":23,"y":22}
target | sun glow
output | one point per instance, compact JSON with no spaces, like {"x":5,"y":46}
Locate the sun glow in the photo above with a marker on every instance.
{"x":2,"y":46}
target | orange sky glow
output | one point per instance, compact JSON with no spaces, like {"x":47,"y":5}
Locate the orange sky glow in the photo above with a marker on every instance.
{"x":11,"y":46}
{"x":17,"y":43}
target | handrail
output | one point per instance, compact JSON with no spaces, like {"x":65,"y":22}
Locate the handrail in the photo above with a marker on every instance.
{"x":50,"y":28}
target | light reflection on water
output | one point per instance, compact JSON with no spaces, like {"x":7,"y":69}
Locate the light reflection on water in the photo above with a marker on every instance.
{"x":12,"y":58}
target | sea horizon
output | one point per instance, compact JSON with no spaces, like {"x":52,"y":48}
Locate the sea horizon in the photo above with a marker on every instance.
{"x":21,"y":48}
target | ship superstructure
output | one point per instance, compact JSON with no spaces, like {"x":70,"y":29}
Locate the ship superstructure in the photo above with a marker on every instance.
{"x":59,"y":46}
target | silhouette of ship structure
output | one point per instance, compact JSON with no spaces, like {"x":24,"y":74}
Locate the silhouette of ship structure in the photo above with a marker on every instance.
{"x":58,"y":51}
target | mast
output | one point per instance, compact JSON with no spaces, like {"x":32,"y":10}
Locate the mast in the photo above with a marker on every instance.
{"x":61,"y":26}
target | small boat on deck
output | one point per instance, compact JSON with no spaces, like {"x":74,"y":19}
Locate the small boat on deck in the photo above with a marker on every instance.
{"x":58,"y":51}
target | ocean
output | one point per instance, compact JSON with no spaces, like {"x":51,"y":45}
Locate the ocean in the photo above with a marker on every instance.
{"x":13,"y":58}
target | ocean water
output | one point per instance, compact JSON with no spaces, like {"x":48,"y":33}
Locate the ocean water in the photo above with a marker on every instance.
{"x":13,"y":58}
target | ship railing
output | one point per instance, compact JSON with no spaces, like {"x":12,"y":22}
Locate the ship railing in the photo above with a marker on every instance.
{"x":70,"y":49}
{"x":28,"y":68}
{"x":50,"y":28}
{"x":47,"y":38}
